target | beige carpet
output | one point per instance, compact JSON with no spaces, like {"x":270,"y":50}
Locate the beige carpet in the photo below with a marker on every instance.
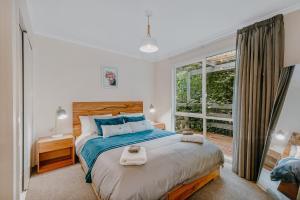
{"x":69,"y":184}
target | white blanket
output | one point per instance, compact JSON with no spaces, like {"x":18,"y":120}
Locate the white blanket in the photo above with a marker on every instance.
{"x":196,"y":138}
{"x":128,"y":158}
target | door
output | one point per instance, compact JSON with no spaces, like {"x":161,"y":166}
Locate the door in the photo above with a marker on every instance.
{"x":27,"y":77}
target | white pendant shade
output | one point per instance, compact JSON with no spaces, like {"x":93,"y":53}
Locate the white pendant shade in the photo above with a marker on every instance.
{"x":149,"y":45}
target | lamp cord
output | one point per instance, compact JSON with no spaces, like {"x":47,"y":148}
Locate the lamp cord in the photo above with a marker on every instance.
{"x":55,"y":128}
{"x":148,"y":27}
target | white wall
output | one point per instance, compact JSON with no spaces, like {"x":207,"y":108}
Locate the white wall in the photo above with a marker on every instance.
{"x":292,"y":38}
{"x":163,"y":93}
{"x":67,"y":72}
{"x":6,"y":101}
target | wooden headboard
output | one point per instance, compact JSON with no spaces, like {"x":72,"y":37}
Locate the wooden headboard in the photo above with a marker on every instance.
{"x":102,"y":108}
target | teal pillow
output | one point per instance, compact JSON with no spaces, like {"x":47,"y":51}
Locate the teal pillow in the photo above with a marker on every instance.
{"x":134,"y":119}
{"x":108,"y":121}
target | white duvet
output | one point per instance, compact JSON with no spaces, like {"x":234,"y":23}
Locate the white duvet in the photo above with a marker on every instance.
{"x":170,"y":162}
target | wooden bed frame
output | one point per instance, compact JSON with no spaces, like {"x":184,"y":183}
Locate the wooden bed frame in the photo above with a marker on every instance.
{"x":180,"y":192}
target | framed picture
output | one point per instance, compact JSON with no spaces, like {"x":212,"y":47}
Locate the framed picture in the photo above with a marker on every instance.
{"x":110,"y":77}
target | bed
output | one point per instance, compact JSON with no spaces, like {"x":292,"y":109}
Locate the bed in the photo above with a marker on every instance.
{"x":174,"y":169}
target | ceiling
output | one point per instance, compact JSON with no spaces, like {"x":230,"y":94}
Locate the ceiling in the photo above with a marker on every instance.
{"x":120,"y":25}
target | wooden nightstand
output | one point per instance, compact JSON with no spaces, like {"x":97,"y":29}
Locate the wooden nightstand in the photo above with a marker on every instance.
{"x":159,"y":125}
{"x":53,"y":153}
{"x":271,"y":159}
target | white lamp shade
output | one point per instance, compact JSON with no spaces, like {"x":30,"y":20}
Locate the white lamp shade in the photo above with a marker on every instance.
{"x":280,"y":135}
{"x":61,"y":113}
{"x":151,"y":109}
{"x":149,"y":45}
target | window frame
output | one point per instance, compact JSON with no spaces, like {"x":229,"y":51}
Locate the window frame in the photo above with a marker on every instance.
{"x":175,"y":92}
{"x":203,"y":115}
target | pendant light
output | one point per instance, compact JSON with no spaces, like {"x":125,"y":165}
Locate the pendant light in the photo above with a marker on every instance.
{"x":149,"y":45}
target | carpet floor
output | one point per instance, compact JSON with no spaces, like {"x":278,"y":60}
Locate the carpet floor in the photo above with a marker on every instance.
{"x":69,"y":184}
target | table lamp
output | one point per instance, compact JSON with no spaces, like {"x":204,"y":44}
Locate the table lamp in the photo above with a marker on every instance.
{"x":151,"y":109}
{"x":60,"y":115}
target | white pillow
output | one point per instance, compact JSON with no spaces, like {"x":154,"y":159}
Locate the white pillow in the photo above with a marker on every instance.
{"x":85,"y":125}
{"x":112,"y":130}
{"x":297,"y":154}
{"x":88,"y":124}
{"x":295,"y":151}
{"x":140,"y":126}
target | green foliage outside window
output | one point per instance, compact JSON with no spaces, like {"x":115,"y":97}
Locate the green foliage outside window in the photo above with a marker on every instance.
{"x":220,"y":93}
{"x":181,"y":87}
{"x":185,"y":104}
{"x":219,"y":86}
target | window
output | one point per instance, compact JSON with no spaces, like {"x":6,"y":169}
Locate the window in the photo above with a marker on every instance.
{"x":204,"y":97}
{"x":189,"y":88}
{"x":189,"y":97}
{"x":187,"y":123}
{"x":220,"y":127}
{"x":220,"y":71}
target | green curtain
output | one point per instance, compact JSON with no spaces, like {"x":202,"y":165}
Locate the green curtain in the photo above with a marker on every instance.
{"x":260,"y":54}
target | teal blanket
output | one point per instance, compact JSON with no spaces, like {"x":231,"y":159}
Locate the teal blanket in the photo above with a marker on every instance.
{"x":96,"y":146}
{"x":287,"y":170}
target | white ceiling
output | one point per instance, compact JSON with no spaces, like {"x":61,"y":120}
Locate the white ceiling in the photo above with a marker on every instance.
{"x":119,"y":25}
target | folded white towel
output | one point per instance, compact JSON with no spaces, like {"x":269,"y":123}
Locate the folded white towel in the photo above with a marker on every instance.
{"x":195,"y":138}
{"x":128,"y":158}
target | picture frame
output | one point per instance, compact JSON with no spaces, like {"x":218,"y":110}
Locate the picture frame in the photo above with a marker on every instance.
{"x":110,"y":77}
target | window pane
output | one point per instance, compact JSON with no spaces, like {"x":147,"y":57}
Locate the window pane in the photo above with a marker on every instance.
{"x":219,"y":84}
{"x":189,"y":88}
{"x":219,"y":127}
{"x":220,"y":133}
{"x":188,"y":124}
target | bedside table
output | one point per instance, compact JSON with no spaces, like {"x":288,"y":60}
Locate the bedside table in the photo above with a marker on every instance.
{"x":159,"y":125}
{"x":53,"y":153}
{"x":271,"y":159}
